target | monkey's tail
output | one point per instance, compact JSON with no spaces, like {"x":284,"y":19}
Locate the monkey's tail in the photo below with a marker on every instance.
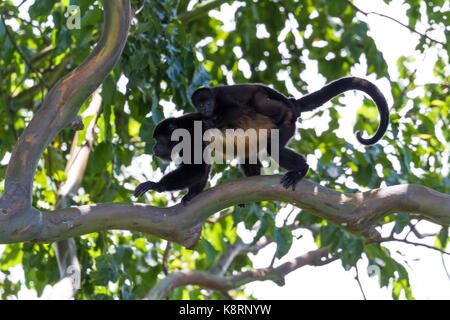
{"x":316,"y":99}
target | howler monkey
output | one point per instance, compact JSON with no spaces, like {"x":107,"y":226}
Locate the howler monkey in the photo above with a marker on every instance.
{"x":251,"y":106}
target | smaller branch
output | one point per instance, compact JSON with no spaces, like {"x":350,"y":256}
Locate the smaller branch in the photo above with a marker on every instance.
{"x":223,"y":216}
{"x":288,"y":216}
{"x":395,"y":20}
{"x":414,"y":243}
{"x":210,"y":281}
{"x":445,"y":267}
{"x":166,"y":258}
{"x":223,"y":263}
{"x":418,"y":234}
{"x":359,"y":283}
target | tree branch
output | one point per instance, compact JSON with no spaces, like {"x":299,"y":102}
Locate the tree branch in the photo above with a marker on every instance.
{"x":65,"y":250}
{"x":59,"y":108}
{"x":418,"y":244}
{"x":165,"y":261}
{"x":211,"y":281}
{"x":357,"y":213}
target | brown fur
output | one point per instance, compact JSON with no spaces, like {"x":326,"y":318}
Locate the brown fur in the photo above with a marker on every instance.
{"x":250,"y":120}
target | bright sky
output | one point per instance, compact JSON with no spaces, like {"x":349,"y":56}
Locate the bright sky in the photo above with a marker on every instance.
{"x":427,"y":275}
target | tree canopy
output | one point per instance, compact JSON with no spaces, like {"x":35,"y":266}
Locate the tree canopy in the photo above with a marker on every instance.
{"x":174,"y":47}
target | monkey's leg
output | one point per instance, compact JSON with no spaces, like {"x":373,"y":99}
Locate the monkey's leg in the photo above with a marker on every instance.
{"x":184,"y":176}
{"x":295,"y":164}
{"x":196,"y":188}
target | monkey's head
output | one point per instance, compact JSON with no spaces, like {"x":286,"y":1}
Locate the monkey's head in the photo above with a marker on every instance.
{"x":204,"y":102}
{"x":164,"y":130}
{"x":162,"y":135}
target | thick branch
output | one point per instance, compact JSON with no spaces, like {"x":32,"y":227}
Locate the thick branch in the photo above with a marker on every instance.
{"x":61,"y":106}
{"x":357,"y":213}
{"x":211,"y":281}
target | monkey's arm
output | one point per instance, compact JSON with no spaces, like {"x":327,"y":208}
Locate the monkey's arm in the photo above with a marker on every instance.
{"x":186,"y":175}
{"x":197,"y":187}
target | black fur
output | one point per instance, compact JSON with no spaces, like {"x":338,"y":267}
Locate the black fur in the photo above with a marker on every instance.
{"x":220,"y":106}
{"x":192,"y":176}
{"x":316,"y":99}
{"x":224,"y":104}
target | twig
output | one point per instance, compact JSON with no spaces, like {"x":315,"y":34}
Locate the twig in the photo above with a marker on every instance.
{"x":273,"y":259}
{"x":223,"y":216}
{"x":417,"y":233}
{"x":414,"y":243}
{"x":359,"y":283}
{"x":395,"y":20}
{"x":445,"y":267}
{"x":166,"y":258}
{"x":288,"y":216}
{"x":211,"y":281}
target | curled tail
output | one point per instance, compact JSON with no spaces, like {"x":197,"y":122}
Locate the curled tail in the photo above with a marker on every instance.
{"x":316,"y":99}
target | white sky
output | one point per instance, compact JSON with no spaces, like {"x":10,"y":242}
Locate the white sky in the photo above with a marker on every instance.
{"x":427,"y":275}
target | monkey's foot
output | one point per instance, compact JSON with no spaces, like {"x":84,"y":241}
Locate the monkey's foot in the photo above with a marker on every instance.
{"x":144,"y":187}
{"x":291,"y":178}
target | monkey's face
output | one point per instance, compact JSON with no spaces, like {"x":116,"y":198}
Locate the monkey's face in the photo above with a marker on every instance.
{"x":203,"y":101}
{"x":162,"y":149}
{"x":162,"y":134}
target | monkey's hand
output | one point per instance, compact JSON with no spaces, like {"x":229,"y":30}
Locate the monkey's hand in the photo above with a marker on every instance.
{"x":145,"y":186}
{"x":291,"y":178}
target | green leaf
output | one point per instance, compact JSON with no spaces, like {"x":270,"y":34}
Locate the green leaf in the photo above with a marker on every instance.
{"x":41,"y":8}
{"x":209,"y":249}
{"x":283,"y":238}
